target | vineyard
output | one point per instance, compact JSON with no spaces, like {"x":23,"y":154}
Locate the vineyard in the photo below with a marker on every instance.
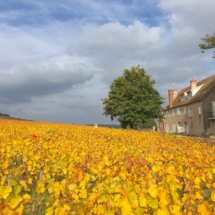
{"x":56,"y":169}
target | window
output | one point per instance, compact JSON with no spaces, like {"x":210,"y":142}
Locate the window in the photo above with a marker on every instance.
{"x":185,"y":110}
{"x":190,"y":112}
{"x":199,"y":110}
{"x":178,"y":111}
{"x":213,"y":106}
{"x":173,"y":112}
{"x":189,"y":94}
{"x":184,"y":96}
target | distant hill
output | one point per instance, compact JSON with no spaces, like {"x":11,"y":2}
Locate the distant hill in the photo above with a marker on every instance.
{"x":7,"y":116}
{"x":4,"y":115}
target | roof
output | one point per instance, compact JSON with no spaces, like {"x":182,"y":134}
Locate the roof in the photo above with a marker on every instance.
{"x":209,"y":83}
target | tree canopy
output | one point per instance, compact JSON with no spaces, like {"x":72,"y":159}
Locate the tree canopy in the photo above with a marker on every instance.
{"x":209,"y":43}
{"x":132,"y":99}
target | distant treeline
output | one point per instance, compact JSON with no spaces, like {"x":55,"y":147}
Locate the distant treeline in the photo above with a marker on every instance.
{"x":6,"y":115}
{"x":106,"y":125}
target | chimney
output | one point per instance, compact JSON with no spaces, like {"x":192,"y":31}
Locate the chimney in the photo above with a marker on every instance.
{"x":174,"y":94}
{"x":193,"y":84}
{"x":170,"y":92}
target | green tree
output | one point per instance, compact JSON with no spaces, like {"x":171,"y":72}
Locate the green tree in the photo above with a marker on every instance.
{"x":149,"y":123}
{"x":209,"y":43}
{"x":132,"y":99}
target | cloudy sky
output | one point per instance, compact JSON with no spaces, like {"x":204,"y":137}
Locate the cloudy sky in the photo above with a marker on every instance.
{"x":58,"y":58}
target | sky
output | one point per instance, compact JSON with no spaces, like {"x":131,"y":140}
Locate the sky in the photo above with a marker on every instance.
{"x":58,"y":58}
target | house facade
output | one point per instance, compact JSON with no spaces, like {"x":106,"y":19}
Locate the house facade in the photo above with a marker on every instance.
{"x":192,"y":110}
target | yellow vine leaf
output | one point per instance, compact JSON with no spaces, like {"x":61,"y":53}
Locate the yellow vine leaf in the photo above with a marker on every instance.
{"x":125,"y":206}
{"x":56,"y":203}
{"x":155,"y":168}
{"x":198,"y":195}
{"x":163,"y":211}
{"x":175,"y":197}
{"x":164,"y":199}
{"x":197,"y":182}
{"x":80,"y":174}
{"x":213,"y":195}
{"x":106,"y":161}
{"x":153,"y":191}
{"x":14,"y":201}
{"x":40,"y":187}
{"x":71,"y":186}
{"x":5,"y":165}
{"x":7,"y":210}
{"x":75,"y":196}
{"x":26,"y":196}
{"x":51,"y":187}
{"x":102,"y":198}
{"x":83,"y":194}
{"x":49,"y":211}
{"x":3,"y":179}
{"x":57,"y":189}
{"x":66,"y":207}
{"x":176,"y":210}
{"x":13,"y":182}
{"x":133,"y":199}
{"x":61,"y":211}
{"x":153,"y":203}
{"x":19,"y":210}
{"x":116,"y":197}
{"x":109,"y":212}
{"x":5,"y":191}
{"x":142,"y":200}
{"x":171,"y":170}
{"x":204,"y":209}
{"x":23,"y":183}
{"x":30,"y":180}
{"x":17,"y":189}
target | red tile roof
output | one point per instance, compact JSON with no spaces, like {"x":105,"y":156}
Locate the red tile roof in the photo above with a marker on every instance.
{"x":209,"y":83}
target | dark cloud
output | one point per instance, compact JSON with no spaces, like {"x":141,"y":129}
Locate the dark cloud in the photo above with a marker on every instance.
{"x":24,"y":82}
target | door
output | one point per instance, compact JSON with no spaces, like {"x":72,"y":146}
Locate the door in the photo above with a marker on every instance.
{"x":186,"y":126}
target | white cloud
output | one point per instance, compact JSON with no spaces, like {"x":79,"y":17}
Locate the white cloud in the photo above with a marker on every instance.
{"x":114,"y":46}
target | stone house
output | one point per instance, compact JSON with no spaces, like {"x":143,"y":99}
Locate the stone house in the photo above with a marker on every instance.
{"x":192,"y":110}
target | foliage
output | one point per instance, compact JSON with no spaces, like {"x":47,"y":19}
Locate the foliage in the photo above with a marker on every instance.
{"x":53,"y":169}
{"x":132,"y":99}
{"x":149,"y":123}
{"x":209,"y":43}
